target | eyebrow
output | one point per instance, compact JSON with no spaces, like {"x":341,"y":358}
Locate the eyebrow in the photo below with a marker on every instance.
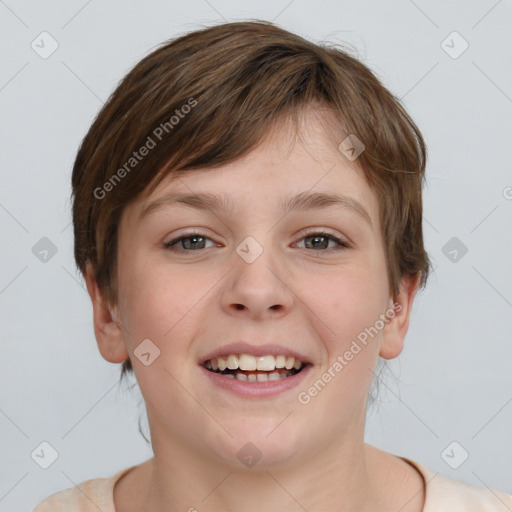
{"x":221,"y":203}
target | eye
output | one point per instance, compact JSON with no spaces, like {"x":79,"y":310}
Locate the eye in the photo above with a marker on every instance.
{"x":196,"y":241}
{"x":319,"y":240}
{"x":188,"y":241}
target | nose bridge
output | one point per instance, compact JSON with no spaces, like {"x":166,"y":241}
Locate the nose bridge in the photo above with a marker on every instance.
{"x":257,"y":280}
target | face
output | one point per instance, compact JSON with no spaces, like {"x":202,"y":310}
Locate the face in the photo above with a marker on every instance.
{"x":254,"y":277}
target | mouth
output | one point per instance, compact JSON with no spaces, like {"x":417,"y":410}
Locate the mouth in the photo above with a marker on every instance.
{"x":250,"y":368}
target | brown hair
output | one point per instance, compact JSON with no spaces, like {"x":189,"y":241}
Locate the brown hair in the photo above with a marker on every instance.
{"x":209,"y":97}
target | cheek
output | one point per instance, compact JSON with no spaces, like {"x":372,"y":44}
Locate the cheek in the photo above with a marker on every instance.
{"x":346,"y":303}
{"x":346,"y":311}
{"x":150,"y":299}
{"x":161,"y":303}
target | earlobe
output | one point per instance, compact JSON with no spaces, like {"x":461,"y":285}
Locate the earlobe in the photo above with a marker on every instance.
{"x":399,"y":313}
{"x":108,"y":332}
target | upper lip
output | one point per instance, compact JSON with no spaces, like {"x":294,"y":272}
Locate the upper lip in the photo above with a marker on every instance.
{"x":259,"y":350}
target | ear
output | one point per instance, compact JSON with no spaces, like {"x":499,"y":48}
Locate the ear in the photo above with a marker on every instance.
{"x":107,"y":329}
{"x":396,"y":327}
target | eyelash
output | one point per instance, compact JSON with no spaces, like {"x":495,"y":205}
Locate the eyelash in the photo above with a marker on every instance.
{"x":342,"y":244}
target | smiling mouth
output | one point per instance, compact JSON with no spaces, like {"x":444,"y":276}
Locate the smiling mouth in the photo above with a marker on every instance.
{"x":249,"y":368}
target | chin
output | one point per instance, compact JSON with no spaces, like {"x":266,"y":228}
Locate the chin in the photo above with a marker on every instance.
{"x":260,"y":444}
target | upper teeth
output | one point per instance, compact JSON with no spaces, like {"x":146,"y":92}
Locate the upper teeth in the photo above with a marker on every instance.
{"x":251,"y":363}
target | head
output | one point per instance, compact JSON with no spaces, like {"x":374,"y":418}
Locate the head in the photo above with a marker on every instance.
{"x":257,"y":114}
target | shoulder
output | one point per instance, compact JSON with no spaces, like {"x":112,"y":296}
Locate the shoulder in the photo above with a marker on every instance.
{"x":87,"y":496}
{"x":444,"y":493}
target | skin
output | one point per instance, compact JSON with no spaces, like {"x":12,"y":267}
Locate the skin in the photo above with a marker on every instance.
{"x":316,"y":300}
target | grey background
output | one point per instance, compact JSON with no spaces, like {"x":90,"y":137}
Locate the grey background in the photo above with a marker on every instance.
{"x":453,"y":379}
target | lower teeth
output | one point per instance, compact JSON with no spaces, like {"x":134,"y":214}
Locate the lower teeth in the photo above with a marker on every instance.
{"x":257,"y":376}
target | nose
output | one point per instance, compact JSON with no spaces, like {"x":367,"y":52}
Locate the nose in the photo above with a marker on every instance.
{"x":259,"y":289}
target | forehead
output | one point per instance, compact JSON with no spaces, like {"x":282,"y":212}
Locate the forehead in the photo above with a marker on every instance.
{"x":289,"y":170}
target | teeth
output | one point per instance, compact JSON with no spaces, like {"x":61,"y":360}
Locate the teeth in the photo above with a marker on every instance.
{"x":280,"y":361}
{"x":266,"y":363}
{"x":232,"y":362}
{"x":248,"y":362}
{"x":289,"y":363}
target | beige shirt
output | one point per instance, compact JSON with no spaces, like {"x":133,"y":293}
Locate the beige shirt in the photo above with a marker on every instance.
{"x":443,"y":494}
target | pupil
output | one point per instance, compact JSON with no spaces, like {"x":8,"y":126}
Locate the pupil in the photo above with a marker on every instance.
{"x":192,"y":238}
{"x":315,"y":240}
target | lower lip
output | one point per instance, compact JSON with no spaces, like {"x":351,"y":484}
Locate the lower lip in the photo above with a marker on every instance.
{"x":256,"y":389}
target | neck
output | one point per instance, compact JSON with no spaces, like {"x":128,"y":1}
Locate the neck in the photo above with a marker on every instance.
{"x":335,"y":476}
